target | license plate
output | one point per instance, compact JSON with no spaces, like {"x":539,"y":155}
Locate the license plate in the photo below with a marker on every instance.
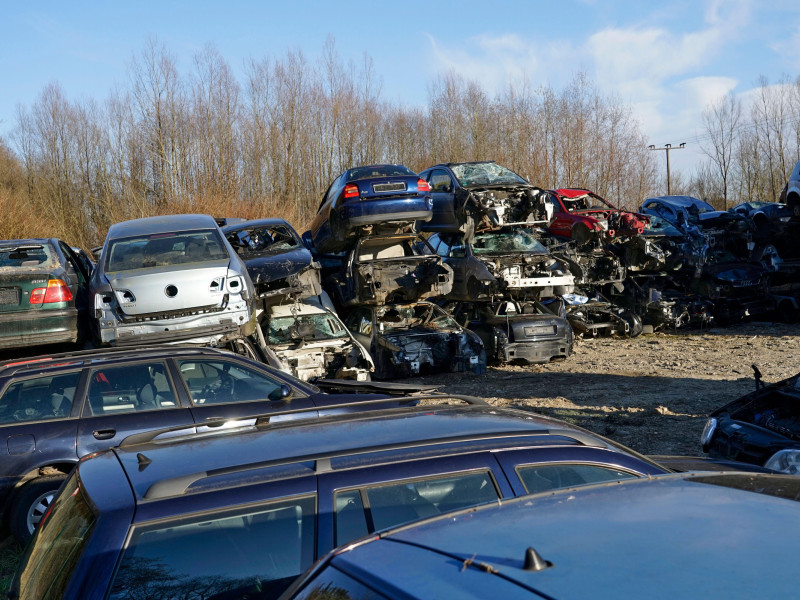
{"x":535,"y":330}
{"x":389,"y":187}
{"x":9,"y":296}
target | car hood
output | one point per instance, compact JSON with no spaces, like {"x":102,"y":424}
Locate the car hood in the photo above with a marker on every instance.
{"x":270,"y":266}
{"x":143,"y":292}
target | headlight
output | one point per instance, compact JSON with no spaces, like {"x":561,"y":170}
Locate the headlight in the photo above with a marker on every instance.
{"x":785,"y":461}
{"x":708,"y":433}
{"x":785,"y":219}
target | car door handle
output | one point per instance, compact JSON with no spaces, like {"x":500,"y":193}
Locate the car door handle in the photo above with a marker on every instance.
{"x":104,"y":434}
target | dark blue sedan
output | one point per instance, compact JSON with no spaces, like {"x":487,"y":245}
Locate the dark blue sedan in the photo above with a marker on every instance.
{"x":374,"y":198}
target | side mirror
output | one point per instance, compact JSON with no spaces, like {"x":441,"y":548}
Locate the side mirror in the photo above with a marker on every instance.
{"x":282,"y":393}
{"x":286,"y":391}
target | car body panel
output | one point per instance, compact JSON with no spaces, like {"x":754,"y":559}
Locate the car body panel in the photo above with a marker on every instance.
{"x":481,"y":195}
{"x":312,"y":342}
{"x":171,"y":278}
{"x":26,"y":265}
{"x":216,"y":480}
{"x":685,"y":516}
{"x":276,"y":259}
{"x":384,"y":198}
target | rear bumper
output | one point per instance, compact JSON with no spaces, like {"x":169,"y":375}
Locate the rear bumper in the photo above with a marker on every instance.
{"x":535,"y":352}
{"x":200,"y":329}
{"x":41,"y":327}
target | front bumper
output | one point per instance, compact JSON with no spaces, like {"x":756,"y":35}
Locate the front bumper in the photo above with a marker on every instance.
{"x":535,"y":352}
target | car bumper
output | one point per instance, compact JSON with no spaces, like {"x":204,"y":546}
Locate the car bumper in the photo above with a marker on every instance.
{"x":382,"y":211}
{"x":538,"y":282}
{"x":43,"y":327}
{"x":535,"y":352}
{"x":198,"y":329}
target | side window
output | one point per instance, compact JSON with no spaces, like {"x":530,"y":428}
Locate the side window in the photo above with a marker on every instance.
{"x":360,"y":321}
{"x":39,"y":398}
{"x":442,"y":248}
{"x":376,"y":507}
{"x":221,"y":382}
{"x":540,"y":478}
{"x":457,"y":248}
{"x":440,"y":181}
{"x":253,"y":554}
{"x":556,"y":204}
{"x":129,"y":388}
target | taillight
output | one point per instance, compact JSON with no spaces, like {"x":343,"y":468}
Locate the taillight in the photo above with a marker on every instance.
{"x":351,"y":190}
{"x":56,"y":291}
{"x":423,"y":186}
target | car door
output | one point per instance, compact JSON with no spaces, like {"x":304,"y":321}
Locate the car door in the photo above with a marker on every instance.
{"x":356,"y":502}
{"x":562,"y":219}
{"x":442,"y":195}
{"x":225,"y":389}
{"x":38,"y":423}
{"x":129,"y":398}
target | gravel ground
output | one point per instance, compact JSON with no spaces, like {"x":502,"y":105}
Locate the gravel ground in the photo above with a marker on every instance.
{"x":651,"y":393}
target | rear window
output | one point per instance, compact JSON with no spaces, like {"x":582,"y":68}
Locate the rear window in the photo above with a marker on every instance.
{"x":39,"y":398}
{"x":49,"y":563}
{"x":253,"y":554}
{"x":164,"y":250}
{"x":26,"y":256}
{"x":379,"y":171}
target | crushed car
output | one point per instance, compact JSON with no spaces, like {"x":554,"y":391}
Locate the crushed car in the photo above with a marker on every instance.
{"x":311,"y":342}
{"x":594,"y":317}
{"x":416,"y":338}
{"x":172,"y":278}
{"x":760,"y":428}
{"x":507,"y":262}
{"x":475,"y":196}
{"x":516,"y":332}
{"x":371,"y":199}
{"x":386,"y":270}
{"x":276,"y":259}
{"x":584,"y":216}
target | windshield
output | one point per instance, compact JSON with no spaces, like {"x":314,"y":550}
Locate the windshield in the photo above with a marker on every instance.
{"x":501,"y":242}
{"x":659,"y":226}
{"x":485,"y":174}
{"x":379,"y":171}
{"x":48,"y":564}
{"x":322,"y":326}
{"x":254,"y":241}
{"x":394,"y":318}
{"x":164,"y":250}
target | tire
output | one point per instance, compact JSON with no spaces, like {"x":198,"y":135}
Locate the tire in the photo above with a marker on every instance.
{"x":31,"y":503}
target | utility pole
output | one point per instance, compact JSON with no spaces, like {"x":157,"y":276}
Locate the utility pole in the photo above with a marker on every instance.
{"x":667,"y":148}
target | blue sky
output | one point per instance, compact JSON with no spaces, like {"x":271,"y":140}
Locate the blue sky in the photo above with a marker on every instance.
{"x":668,"y":60}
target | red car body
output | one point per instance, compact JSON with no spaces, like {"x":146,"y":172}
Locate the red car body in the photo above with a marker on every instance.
{"x":581,"y":214}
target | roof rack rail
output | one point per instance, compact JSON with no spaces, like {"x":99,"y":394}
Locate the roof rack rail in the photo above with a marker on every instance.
{"x":81,"y":354}
{"x":176,"y":486}
{"x":264,"y":419}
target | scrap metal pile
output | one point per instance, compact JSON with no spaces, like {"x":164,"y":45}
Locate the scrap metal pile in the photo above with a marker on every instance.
{"x":468,"y":263}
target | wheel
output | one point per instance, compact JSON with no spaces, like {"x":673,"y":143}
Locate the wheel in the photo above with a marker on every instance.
{"x":31,"y":503}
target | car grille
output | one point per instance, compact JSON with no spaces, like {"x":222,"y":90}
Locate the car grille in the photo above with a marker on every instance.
{"x":389,"y":187}
{"x":9,"y":296}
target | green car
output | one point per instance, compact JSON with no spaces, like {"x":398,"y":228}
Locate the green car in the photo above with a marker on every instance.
{"x":44,"y":294}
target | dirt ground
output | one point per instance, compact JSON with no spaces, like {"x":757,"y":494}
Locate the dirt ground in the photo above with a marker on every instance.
{"x":651,"y":393}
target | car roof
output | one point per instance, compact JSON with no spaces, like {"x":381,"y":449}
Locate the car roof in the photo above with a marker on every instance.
{"x":572,"y":192}
{"x":676,"y":536}
{"x":161,"y":224}
{"x":175,"y":466}
{"x":80,"y":358}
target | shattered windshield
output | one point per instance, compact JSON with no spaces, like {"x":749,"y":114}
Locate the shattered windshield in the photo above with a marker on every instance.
{"x":659,"y":226}
{"x":502,"y":242}
{"x":28,"y":255}
{"x":164,"y":250}
{"x":393,"y":318}
{"x":322,"y":326}
{"x":254,"y":241}
{"x":485,"y":174}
